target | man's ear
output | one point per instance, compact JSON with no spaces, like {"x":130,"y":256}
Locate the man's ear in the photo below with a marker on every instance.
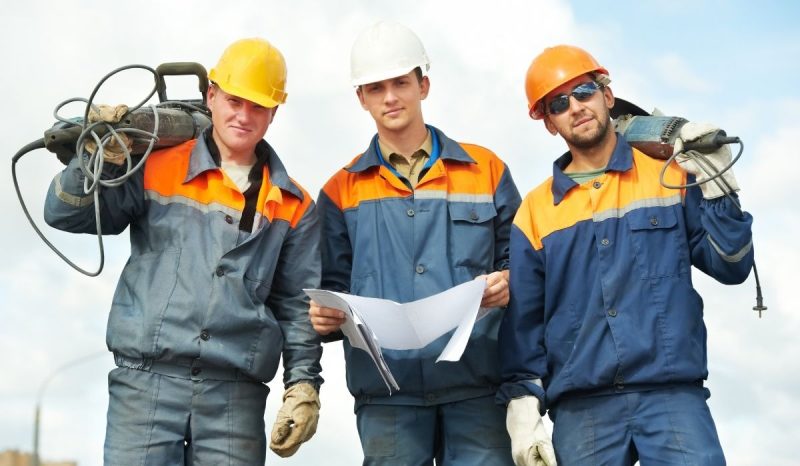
{"x":549,"y":125}
{"x":211,"y":92}
{"x":608,"y":95}
{"x":425,"y":84}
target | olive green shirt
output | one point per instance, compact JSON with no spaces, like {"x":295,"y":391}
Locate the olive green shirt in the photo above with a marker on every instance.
{"x":411,"y":167}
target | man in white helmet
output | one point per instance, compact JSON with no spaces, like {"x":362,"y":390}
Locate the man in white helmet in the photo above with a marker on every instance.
{"x":414,"y":215}
{"x":222,"y":244}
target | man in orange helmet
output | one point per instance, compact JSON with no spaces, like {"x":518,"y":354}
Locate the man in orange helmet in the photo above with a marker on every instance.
{"x":604,"y":329}
{"x":222,"y":244}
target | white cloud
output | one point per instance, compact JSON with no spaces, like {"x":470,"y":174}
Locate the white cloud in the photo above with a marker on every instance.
{"x":677,"y":73}
{"x":480,"y":52}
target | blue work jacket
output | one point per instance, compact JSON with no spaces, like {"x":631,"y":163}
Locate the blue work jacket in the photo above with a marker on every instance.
{"x":601,"y":287}
{"x":383,"y":239}
{"x":197,"y":290}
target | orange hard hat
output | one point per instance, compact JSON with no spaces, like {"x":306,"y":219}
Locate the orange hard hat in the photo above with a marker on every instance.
{"x":552,"y":68}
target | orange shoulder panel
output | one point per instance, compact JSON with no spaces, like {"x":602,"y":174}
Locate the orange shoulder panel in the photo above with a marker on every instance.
{"x":537,"y":217}
{"x":347,"y":189}
{"x":165,"y":172}
{"x":482,"y":177}
{"x":292,"y":209}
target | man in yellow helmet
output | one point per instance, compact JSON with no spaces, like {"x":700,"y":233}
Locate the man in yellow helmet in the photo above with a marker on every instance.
{"x":604,"y":329}
{"x":414,"y":215}
{"x":222,"y":244}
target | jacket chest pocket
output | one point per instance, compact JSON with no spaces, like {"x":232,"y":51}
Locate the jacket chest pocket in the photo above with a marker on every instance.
{"x":656,"y":237}
{"x":472,"y":237}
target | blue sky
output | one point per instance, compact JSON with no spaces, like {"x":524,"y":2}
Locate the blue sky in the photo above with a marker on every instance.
{"x":731,"y":63}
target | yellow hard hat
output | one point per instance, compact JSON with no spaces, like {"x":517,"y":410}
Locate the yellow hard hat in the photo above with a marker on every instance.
{"x":254,"y":70}
{"x":552,"y":68}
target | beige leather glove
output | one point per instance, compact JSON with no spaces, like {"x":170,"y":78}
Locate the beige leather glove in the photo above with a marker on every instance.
{"x":297,"y":419}
{"x":112,"y":150}
{"x":704,"y":166}
{"x":530,"y":442}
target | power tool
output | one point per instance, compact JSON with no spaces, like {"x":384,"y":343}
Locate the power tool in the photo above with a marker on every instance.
{"x":655,"y":135}
{"x":178,"y":120}
{"x":166,"y":124}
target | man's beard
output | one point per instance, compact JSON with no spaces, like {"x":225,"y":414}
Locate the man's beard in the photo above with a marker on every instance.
{"x":591,"y":139}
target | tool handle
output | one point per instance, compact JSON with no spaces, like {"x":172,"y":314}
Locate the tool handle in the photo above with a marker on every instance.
{"x":710,"y":142}
{"x":180,"y":69}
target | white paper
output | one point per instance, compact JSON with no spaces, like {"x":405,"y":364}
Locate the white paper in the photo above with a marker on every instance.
{"x":382,"y":323}
{"x":356,"y":332}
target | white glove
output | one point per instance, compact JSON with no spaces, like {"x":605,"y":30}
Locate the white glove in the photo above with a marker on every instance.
{"x":704,"y":166}
{"x":530,"y":442}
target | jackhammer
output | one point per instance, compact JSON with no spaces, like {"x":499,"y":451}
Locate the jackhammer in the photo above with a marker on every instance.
{"x":655,"y":136}
{"x":166,"y":124}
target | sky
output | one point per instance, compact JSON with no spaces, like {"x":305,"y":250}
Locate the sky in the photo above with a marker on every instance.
{"x":726,"y":62}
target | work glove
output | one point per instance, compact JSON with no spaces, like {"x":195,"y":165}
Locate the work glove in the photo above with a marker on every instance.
{"x":530,"y":442}
{"x":112,"y":150}
{"x":704,"y":166}
{"x":297,"y":419}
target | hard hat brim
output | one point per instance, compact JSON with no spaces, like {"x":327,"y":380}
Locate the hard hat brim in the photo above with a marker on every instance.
{"x":394,"y":73}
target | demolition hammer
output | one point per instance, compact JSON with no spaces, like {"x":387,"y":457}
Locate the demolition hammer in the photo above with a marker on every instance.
{"x":655,"y":136}
{"x":166,"y":124}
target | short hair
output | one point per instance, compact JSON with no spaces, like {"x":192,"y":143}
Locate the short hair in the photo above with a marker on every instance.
{"x":418,"y":73}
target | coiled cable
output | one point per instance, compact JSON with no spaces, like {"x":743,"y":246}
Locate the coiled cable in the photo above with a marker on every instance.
{"x":92,"y":166}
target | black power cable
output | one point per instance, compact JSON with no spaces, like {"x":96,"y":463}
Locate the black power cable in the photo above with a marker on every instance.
{"x":710,"y":144}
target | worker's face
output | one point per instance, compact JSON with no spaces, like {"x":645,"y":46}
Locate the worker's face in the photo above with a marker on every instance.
{"x":395,"y":104}
{"x":239,"y":124}
{"x":583,"y":124}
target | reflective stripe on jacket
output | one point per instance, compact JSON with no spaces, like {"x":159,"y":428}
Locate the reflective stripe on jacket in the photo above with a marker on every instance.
{"x":601,"y":288}
{"x":382,"y":239}
{"x":197,"y":290}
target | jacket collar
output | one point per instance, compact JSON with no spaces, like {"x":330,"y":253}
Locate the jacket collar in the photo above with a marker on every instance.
{"x":202,"y":159}
{"x":621,"y":161}
{"x":449,"y":150}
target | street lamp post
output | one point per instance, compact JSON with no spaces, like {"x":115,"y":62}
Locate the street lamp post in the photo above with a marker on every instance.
{"x":40,"y":395}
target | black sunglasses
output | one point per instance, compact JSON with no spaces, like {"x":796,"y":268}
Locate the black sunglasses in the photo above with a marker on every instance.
{"x":581,"y":92}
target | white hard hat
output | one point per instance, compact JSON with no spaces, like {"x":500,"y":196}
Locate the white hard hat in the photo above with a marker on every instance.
{"x":386,"y":50}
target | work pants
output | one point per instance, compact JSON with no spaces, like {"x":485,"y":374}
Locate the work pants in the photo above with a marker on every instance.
{"x":658,"y":427}
{"x":464,"y":433}
{"x":161,"y":420}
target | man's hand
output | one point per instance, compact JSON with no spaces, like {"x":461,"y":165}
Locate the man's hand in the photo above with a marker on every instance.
{"x":496,"y":293}
{"x":297,"y":419}
{"x":704,"y":166}
{"x":530,"y":442}
{"x":325,"y":320}
{"x":114,"y":148}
